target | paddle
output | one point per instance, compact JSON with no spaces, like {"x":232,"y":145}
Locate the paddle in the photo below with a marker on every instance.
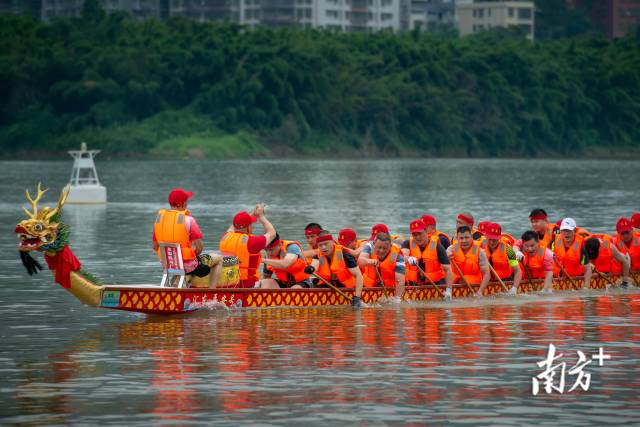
{"x":574,"y":284}
{"x":498,"y":277}
{"x":527,"y":273}
{"x":608,"y":280}
{"x":310,"y":271}
{"x":384,"y":288}
{"x":462,"y":276}
{"x":430,"y":281}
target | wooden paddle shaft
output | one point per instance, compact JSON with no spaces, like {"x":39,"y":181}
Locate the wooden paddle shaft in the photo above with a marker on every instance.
{"x":573,"y":283}
{"x":595,"y":270}
{"x":384,"y":288}
{"x":335,"y":288}
{"x":462,"y":276}
{"x":430,"y":281}
{"x":497,"y":277}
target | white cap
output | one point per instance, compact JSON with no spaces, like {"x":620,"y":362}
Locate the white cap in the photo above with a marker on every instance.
{"x":568,"y":224}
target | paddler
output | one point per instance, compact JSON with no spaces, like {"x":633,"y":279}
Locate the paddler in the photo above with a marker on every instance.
{"x":427,"y":253}
{"x":635,"y":221}
{"x":240,"y":241}
{"x":385,"y":264}
{"x":465,"y":219}
{"x":348,"y":238}
{"x":541,"y":225}
{"x":569,"y":250}
{"x":628,"y":243}
{"x":311,"y":234}
{"x":501,"y":255}
{"x":470,"y":259}
{"x":601,"y":253}
{"x":286,"y":261}
{"x":430,"y":224}
{"x":335,"y":265}
{"x":537,"y":260}
{"x":176,"y":225}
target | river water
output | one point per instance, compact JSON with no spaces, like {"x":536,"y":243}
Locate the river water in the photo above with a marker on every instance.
{"x":466,"y":362}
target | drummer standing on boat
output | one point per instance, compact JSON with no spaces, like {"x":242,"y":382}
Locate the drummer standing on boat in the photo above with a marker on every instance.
{"x":176,"y":225}
{"x":240,"y":241}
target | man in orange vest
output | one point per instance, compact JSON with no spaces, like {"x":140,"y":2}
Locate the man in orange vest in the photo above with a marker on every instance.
{"x":628,"y":243}
{"x":635,"y":221}
{"x":467,"y":256}
{"x":348,"y":238}
{"x":430,"y":224}
{"x":286,"y":261}
{"x":311,"y":235}
{"x":569,"y":250}
{"x":384,"y":263}
{"x":465,"y":219}
{"x":501,"y":255}
{"x":541,"y":225}
{"x":335,"y":265}
{"x":426,"y":252}
{"x":601,"y":253}
{"x":176,"y":225}
{"x":240,"y":241}
{"x":537,"y":260}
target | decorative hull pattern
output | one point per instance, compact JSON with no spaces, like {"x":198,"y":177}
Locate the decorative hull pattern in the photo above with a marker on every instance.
{"x":157,"y":300}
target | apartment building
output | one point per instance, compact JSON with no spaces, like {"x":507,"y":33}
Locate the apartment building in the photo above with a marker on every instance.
{"x":473,"y":17}
{"x":432,"y":15}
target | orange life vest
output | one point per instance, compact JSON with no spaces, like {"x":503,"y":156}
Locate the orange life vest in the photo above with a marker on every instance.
{"x":498,"y":259}
{"x":508,"y":239}
{"x":633,"y":250}
{"x":535,"y":264}
{"x":549,"y":234}
{"x":236,"y":244}
{"x":570,"y":258}
{"x":582,"y":232}
{"x":604,"y":263}
{"x":295,"y":272}
{"x":469,"y":263}
{"x":171,"y":227}
{"x":429,"y":258}
{"x":387,"y":269}
{"x":337,"y":270}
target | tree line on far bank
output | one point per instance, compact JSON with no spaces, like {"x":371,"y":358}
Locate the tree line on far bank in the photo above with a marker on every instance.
{"x":127,"y":86}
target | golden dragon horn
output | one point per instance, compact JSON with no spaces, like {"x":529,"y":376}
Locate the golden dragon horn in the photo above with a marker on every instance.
{"x":63,"y":198}
{"x":34,"y":203}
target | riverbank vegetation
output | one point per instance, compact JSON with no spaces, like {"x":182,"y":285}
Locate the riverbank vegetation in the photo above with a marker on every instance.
{"x":189,"y":89}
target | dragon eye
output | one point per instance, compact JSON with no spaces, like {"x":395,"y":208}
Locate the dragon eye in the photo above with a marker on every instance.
{"x":38,"y":227}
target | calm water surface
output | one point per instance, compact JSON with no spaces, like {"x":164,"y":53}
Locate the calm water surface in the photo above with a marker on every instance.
{"x":466,"y":362}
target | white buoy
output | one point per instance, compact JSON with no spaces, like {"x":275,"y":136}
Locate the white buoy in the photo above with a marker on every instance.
{"x":85,"y":186}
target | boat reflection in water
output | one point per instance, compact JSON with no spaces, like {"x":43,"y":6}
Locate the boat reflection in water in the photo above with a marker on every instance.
{"x":417,"y":364}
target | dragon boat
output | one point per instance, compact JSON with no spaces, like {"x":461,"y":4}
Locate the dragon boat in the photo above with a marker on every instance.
{"x":45,"y":232}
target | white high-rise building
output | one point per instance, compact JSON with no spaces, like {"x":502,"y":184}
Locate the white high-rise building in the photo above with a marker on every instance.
{"x":473,"y":17}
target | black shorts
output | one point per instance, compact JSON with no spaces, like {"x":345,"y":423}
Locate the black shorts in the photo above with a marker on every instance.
{"x":201,"y":270}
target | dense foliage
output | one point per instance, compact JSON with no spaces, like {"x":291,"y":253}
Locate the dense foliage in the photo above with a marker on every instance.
{"x":130,"y":86}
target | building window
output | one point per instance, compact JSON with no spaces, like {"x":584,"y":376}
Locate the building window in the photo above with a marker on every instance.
{"x":480,"y":13}
{"x":511,"y":12}
{"x":488,"y":12}
{"x":524,"y":13}
{"x":332,"y":14}
{"x":386,"y":16}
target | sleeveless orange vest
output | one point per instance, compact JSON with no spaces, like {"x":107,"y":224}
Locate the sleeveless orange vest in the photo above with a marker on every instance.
{"x":633,"y":250}
{"x":337,"y":270}
{"x":236,"y":244}
{"x":498,"y":259}
{"x":387,"y":269}
{"x":170,"y":227}
{"x":469,"y":263}
{"x":535,"y":264}
{"x":429,"y":257}
{"x":549,"y":234}
{"x":569,"y":258}
{"x":604,"y":262}
{"x":295,"y":272}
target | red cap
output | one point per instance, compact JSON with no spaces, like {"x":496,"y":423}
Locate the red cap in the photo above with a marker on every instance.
{"x":429,"y":220}
{"x":311,"y":231}
{"x":483,"y":225}
{"x":346,"y":236}
{"x":417,"y":226}
{"x":243,"y":219}
{"x":493,"y":231}
{"x":178,"y":196}
{"x":378,"y":228}
{"x":635,"y":220}
{"x":274,"y":243}
{"x":466,"y":218}
{"x":624,"y":224}
{"x":539,"y":216}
